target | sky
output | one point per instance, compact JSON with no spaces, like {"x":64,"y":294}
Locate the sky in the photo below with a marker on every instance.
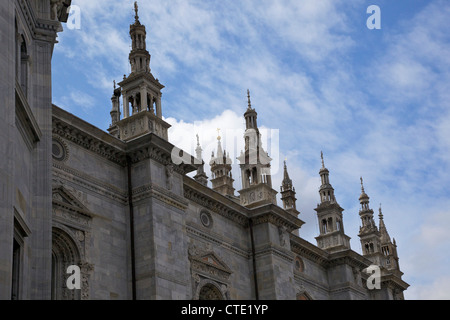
{"x":375,"y":101}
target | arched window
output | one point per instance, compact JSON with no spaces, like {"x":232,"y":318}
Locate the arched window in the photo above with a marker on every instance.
{"x":324,"y":226}
{"x":64,"y":254}
{"x":303,"y":296}
{"x":210,"y":292}
{"x":330,"y":224}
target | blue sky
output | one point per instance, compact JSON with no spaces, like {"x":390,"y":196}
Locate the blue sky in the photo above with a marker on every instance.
{"x":376,"y":102}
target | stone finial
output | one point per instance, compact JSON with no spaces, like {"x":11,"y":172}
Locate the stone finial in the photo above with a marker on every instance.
{"x":218,"y":134}
{"x":323,"y":161}
{"x":136,"y":10}
{"x":249,"y":100}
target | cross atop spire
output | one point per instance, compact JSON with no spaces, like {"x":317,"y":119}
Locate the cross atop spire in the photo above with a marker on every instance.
{"x":362,"y":185}
{"x":249,"y":100}
{"x":323,"y":162}
{"x":136,"y":10}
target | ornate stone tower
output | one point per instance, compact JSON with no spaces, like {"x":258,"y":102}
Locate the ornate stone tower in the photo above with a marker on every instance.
{"x":141,"y":93}
{"x":388,"y":248}
{"x":255,"y":165}
{"x":368,"y":232}
{"x":222,"y":179}
{"x":332,"y":236}
{"x":288,"y":194}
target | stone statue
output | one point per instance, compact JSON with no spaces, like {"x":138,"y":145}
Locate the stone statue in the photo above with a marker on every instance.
{"x":56,"y":7}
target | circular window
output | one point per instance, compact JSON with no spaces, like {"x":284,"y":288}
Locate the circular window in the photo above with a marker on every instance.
{"x":206,"y":219}
{"x":59,"y":150}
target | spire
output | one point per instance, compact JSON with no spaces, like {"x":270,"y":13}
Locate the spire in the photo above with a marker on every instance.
{"x":326,"y":189}
{"x":251,"y":116}
{"x":323,"y":170}
{"x":288,"y":194}
{"x":222,"y":178}
{"x":364,"y":198}
{"x":220,"y":153}
{"x":380,"y":215}
{"x":329,"y":214}
{"x":141,"y":91}
{"x":198,"y":150}
{"x":384,"y":235}
{"x":287,"y":182}
{"x":136,"y":10}
{"x":255,"y":164}
{"x":201,"y":175}
{"x":323,"y":162}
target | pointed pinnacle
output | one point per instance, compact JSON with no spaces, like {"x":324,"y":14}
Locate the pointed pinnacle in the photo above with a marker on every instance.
{"x":136,"y":9}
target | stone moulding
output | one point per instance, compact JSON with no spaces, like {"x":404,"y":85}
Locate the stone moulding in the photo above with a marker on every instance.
{"x":153,"y":190}
{"x":214,"y":206}
{"x":270,"y":249}
{"x":308,"y":250}
{"x":89,"y":142}
{"x":149,"y":146}
{"x":25,"y":120}
{"x":198,"y":232}
{"x":89,"y":183}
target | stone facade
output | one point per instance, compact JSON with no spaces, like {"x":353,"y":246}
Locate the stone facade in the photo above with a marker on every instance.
{"x":120,"y":208}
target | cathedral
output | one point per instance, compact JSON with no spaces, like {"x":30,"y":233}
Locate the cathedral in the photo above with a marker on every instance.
{"x":139,"y":223}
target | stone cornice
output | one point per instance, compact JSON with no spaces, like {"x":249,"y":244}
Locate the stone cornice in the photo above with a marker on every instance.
{"x":149,"y":146}
{"x":215,"y":202}
{"x":349,"y":287}
{"x":228,"y":208}
{"x":195,"y":230}
{"x":155,"y":191}
{"x":142,"y":75}
{"x":87,"y":136}
{"x":62,"y":171}
{"x":349,"y":257}
{"x":308,"y":250}
{"x":394,"y":281}
{"x":39,"y":28}
{"x":275,"y":215}
{"x":270,"y":249}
